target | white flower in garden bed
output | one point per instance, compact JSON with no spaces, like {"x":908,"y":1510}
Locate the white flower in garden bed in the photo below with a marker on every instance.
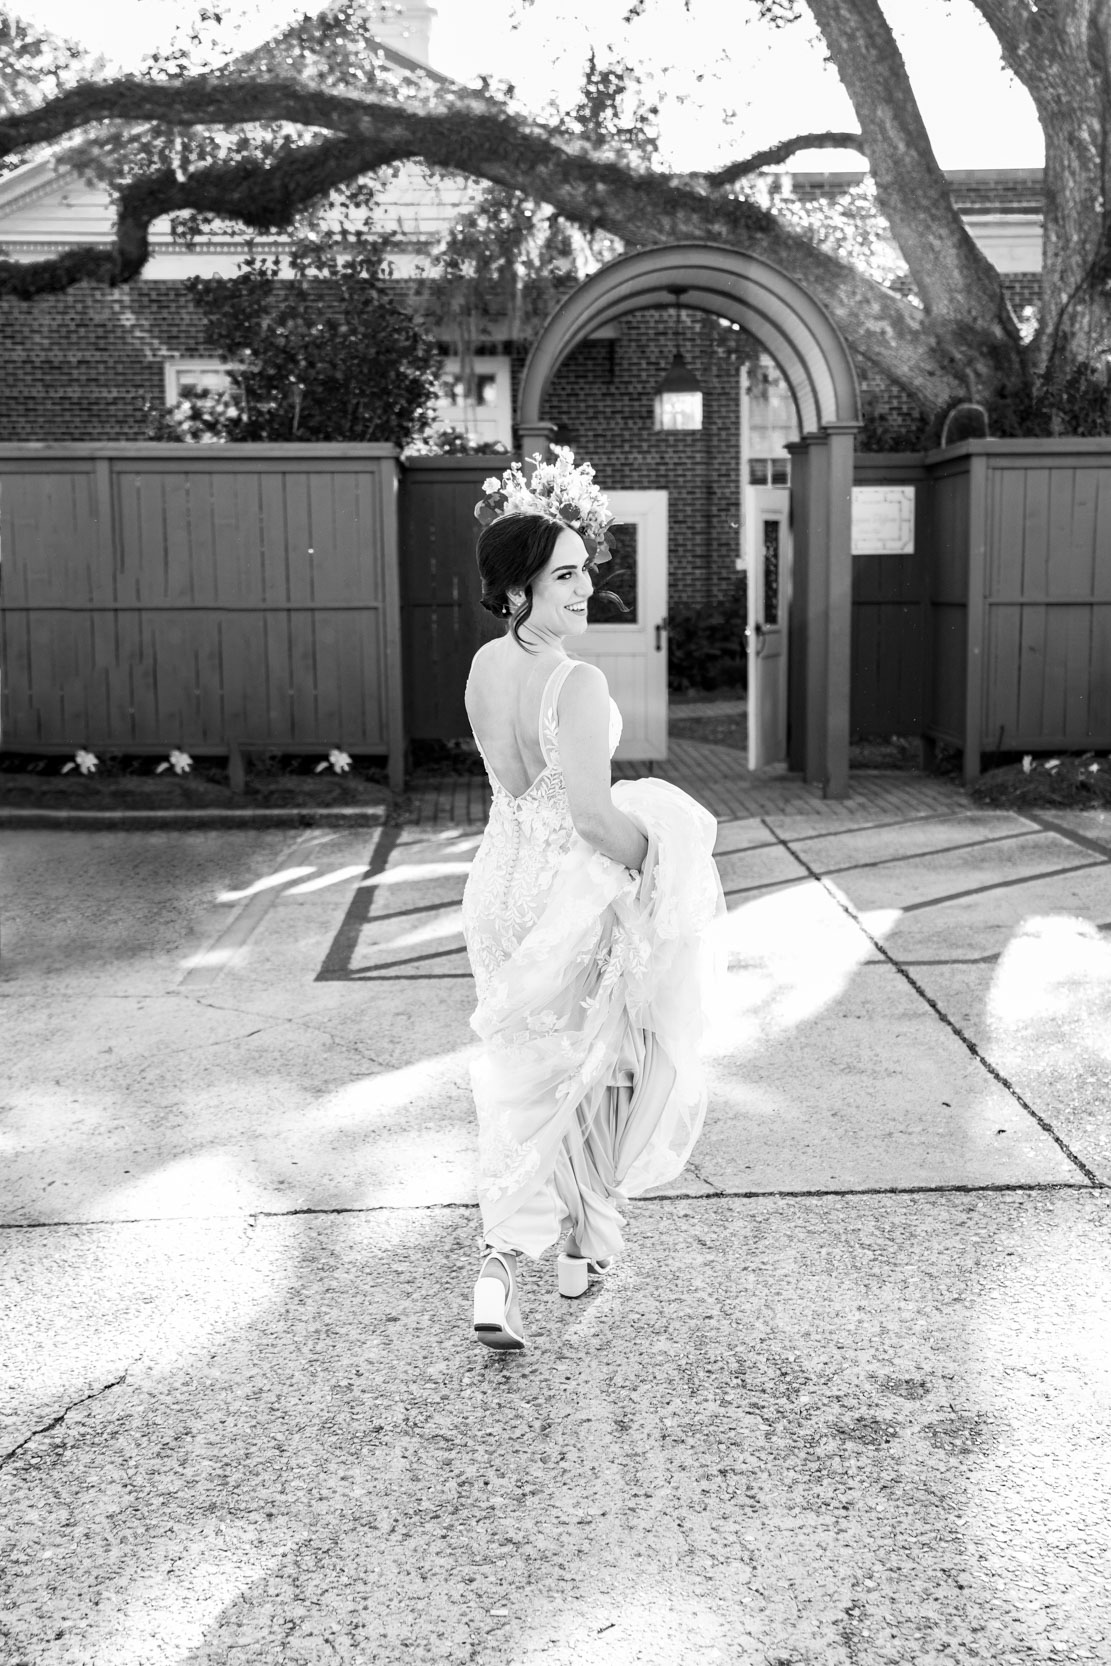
{"x":336,"y":760}
{"x":180,"y":762}
{"x":84,"y":760}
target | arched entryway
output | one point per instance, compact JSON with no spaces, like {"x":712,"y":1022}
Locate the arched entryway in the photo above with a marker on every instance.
{"x":799,"y":334}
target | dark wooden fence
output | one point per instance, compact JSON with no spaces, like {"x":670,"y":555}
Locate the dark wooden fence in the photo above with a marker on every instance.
{"x":1002,"y":619}
{"x":207,"y":597}
{"x":442,"y":621}
{"x":890,"y":620}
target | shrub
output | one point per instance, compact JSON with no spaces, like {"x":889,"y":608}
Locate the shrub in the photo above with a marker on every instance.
{"x":706,"y":644}
{"x":327,"y":354}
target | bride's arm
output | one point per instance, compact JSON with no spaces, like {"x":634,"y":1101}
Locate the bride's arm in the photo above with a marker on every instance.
{"x":584,"y":753}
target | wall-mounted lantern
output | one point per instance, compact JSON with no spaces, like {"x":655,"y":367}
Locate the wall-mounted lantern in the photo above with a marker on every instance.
{"x":678,"y":404}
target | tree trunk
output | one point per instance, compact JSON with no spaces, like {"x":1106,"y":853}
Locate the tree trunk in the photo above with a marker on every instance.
{"x":1061,"y":53}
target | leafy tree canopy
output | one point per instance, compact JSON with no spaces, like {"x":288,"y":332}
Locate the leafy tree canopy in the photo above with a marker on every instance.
{"x":258,"y":137}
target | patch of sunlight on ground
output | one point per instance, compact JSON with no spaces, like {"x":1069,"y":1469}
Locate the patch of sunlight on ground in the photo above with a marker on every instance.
{"x":267,"y":884}
{"x":415,"y":873}
{"x":447,"y":925}
{"x":1055,"y":967}
{"x":790,"y":956}
{"x":210,"y":1179}
{"x":1023,"y":1515}
{"x":616,"y":1633}
{"x":167,"y":1616}
{"x":337,"y":877}
{"x":377,"y":1099}
{"x":210,"y":958}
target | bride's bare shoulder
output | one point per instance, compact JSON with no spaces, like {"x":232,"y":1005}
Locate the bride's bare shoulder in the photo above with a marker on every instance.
{"x":587,"y":685}
{"x":485,"y":661}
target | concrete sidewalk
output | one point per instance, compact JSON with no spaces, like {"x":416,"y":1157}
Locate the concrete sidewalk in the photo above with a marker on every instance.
{"x":846,"y":1400}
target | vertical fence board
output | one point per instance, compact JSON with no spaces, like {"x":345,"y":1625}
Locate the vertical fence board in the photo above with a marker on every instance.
{"x":1004,"y":627}
{"x":1099,"y":704}
{"x":1035,"y":545}
{"x":443,"y":622}
{"x":1063,"y":575}
{"x":1078,"y":649}
{"x":1085,"y":507}
{"x":1056,"y":670}
{"x":1008,"y":508}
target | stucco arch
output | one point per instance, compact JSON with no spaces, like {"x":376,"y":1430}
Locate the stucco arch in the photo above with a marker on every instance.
{"x":808,"y":347}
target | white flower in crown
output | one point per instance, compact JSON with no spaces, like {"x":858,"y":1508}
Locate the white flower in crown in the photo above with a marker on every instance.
{"x":557,"y":489}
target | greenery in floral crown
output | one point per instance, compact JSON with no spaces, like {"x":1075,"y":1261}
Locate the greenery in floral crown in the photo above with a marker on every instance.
{"x":557,"y":489}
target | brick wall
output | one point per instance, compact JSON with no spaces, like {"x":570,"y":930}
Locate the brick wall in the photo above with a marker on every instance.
{"x":602,"y":394}
{"x":79,"y":366}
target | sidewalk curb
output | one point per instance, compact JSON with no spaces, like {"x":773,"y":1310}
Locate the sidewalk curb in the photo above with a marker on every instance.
{"x":361,"y":815}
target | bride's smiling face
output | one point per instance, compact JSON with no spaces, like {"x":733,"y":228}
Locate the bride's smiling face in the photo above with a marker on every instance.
{"x":561,"y":590}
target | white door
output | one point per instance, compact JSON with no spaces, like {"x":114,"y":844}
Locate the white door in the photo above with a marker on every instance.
{"x":631,"y":648}
{"x":768,"y":510}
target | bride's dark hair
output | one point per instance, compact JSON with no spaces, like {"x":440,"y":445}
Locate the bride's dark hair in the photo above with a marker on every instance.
{"x":511,"y":552}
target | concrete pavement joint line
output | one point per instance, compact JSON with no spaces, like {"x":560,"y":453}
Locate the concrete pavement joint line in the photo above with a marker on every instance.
{"x":1047,"y":1127}
{"x":251,"y":1218}
{"x":768,"y":885}
{"x":1048,"y":825}
{"x":745,"y":850}
{"x":974,"y":960}
{"x":1002,"y":885}
{"x":6,"y":1457}
{"x":942,"y":850}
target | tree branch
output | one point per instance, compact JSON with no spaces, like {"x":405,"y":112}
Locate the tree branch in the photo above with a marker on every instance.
{"x":780,"y":153}
{"x":462,"y":135}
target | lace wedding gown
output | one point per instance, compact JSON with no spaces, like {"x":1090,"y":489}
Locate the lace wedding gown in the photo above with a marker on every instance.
{"x":590,"y":981}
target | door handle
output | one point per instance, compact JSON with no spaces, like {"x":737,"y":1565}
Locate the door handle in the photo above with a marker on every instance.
{"x":756,"y":631}
{"x":660,"y":628}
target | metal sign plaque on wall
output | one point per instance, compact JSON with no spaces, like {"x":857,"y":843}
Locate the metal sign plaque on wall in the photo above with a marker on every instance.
{"x":883,"y":520}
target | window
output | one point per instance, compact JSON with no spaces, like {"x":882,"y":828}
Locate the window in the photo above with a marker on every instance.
{"x":619,"y":577}
{"x":479,"y":403}
{"x":769,"y":471}
{"x":189,"y":377}
{"x":771,"y":424}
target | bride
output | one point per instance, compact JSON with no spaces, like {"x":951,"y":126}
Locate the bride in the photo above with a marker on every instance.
{"x":586,"y":916}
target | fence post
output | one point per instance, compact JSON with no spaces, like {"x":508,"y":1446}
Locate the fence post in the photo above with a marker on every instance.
{"x":835,"y":775}
{"x":976,"y":610}
{"x":391,"y":634}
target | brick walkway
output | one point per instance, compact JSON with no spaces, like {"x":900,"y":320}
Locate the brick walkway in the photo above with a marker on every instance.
{"x":718,"y":777}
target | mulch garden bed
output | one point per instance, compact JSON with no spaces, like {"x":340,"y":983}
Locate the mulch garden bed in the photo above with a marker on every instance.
{"x":1068,"y":782}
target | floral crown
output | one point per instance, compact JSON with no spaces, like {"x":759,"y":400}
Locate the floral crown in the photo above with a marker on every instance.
{"x":557,"y":490}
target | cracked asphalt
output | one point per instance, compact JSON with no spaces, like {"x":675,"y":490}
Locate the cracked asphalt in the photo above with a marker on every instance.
{"x":846,"y":1399}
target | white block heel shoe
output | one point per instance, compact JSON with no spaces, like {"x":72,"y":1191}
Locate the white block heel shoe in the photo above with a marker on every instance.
{"x":572,"y":1275}
{"x":497,"y":1321}
{"x":575,"y":1272}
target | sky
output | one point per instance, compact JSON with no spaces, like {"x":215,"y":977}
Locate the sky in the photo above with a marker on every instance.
{"x":706,"y":57}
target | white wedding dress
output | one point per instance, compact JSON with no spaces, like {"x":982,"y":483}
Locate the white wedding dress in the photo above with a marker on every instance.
{"x":590,"y":981}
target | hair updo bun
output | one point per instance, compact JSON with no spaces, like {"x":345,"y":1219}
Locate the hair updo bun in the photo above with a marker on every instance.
{"x":511,"y":552}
